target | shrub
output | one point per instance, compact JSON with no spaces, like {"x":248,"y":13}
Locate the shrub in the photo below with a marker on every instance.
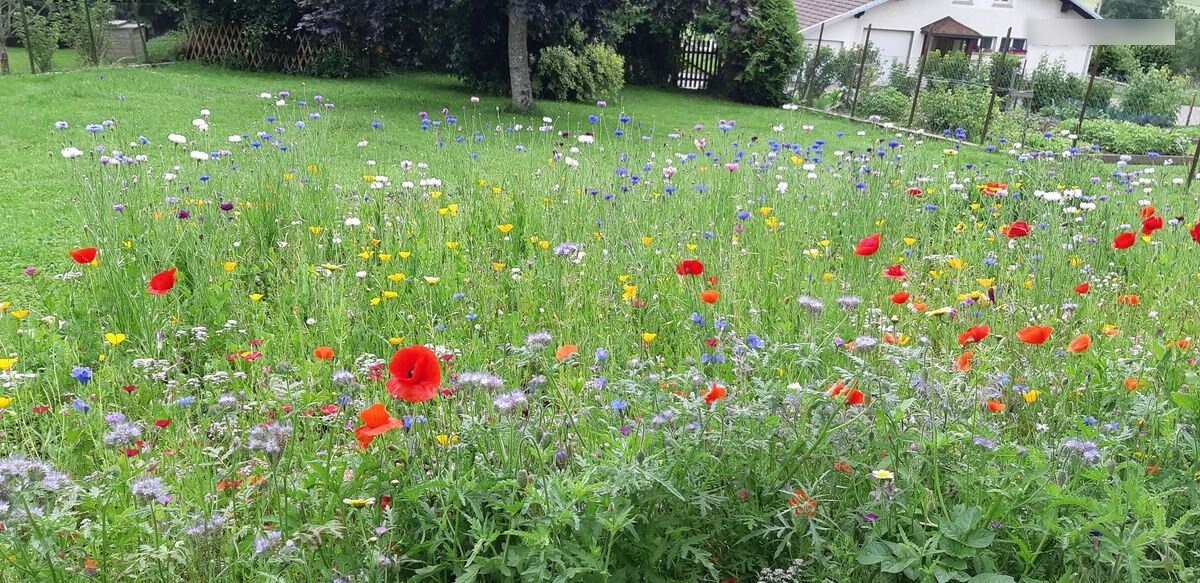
{"x":40,"y":38}
{"x":844,"y":67}
{"x":943,"y":107}
{"x":951,"y":66}
{"x":900,"y":79}
{"x":1052,"y":84}
{"x":760,"y":57}
{"x":888,"y":103}
{"x":165,"y":47}
{"x":815,"y":64}
{"x":594,"y":72}
{"x":1128,"y":138}
{"x":1154,"y":91}
{"x":1118,"y":62}
{"x":84,"y":29}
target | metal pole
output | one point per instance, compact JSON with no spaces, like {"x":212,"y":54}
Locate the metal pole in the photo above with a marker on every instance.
{"x":1195,"y":158}
{"x":1087,"y":93}
{"x":25,"y":25}
{"x":912,"y":112}
{"x":816,"y":57}
{"x":987,"y":120}
{"x":862,"y":63}
{"x":87,"y":10}
{"x":1191,"y":107}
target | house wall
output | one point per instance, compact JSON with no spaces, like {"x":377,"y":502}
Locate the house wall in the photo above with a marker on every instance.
{"x":988,"y":17}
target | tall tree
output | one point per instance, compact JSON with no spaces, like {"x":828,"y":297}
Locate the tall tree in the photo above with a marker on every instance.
{"x":1138,"y":9}
{"x":6,"y":18}
{"x":519,"y":77}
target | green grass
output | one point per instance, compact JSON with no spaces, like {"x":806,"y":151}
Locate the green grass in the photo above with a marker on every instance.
{"x":64,"y":60}
{"x":968,"y":471}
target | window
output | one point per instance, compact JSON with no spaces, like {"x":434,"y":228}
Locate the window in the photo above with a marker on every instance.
{"x":1018,"y":45}
{"x":986,"y":43}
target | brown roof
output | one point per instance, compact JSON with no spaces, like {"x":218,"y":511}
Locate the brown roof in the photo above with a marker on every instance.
{"x":810,"y":12}
{"x":949,"y":27}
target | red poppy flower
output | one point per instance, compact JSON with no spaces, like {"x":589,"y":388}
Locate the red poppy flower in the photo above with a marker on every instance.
{"x":963,"y":362}
{"x":714,"y":393}
{"x":855,"y":397}
{"x":1034,"y":334}
{"x":376,"y":422}
{"x":710,"y":296}
{"x":1195,"y":233}
{"x":868,"y":245}
{"x":84,"y":256}
{"x":1015,"y":229}
{"x":900,"y":297}
{"x":1151,"y":224}
{"x":689,"y":267}
{"x":1080,"y":344}
{"x":914,"y":191}
{"x":162,"y":423}
{"x":415,"y":374}
{"x":323,"y":352}
{"x":162,"y":282}
{"x":895,"y":272}
{"x":712,"y":280}
{"x":1129,"y":299}
{"x":994,"y":406}
{"x":974,"y":334}
{"x":1083,"y":287}
{"x":1124,"y":240}
{"x":330,"y":409}
{"x":1147,"y":211}
{"x":565,"y":351}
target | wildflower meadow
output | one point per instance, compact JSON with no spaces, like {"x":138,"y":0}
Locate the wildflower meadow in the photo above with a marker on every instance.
{"x":264,"y":328}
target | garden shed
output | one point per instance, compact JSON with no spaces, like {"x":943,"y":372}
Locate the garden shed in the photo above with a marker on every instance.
{"x":126,"y":40}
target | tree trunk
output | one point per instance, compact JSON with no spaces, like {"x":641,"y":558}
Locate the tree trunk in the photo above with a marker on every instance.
{"x":4,"y":68}
{"x":518,"y":57}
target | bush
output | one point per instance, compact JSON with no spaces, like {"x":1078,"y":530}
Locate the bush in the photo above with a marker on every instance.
{"x":165,"y":47}
{"x":900,"y":79}
{"x":888,"y":103}
{"x":951,"y":66}
{"x":1052,"y":84}
{"x":592,"y":73}
{"x":844,"y":67}
{"x":1155,"y":91}
{"x":84,"y":29}
{"x":41,"y":40}
{"x":943,"y":107}
{"x":760,"y":57}
{"x":1118,"y":62}
{"x":1128,"y":138}
{"x":815,"y":64}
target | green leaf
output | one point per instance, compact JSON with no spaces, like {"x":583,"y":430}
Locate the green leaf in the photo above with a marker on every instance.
{"x":991,"y":578}
{"x":874,"y":552}
{"x":979,"y":539}
{"x":1186,"y":401}
{"x":897,"y":566}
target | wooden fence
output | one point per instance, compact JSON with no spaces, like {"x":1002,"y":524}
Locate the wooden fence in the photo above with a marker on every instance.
{"x":698,"y":62}
{"x":230,"y":44}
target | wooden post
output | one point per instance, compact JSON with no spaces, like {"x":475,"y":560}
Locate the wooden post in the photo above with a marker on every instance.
{"x":816,"y":57}
{"x":862,"y":62}
{"x":912,"y":112}
{"x":25,"y":24}
{"x":987,"y":120}
{"x":1191,"y":107}
{"x":87,"y":11}
{"x":1195,"y":158}
{"x":1087,"y":93}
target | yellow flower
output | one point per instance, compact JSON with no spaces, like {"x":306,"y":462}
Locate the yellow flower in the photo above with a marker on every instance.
{"x":375,"y":301}
{"x":7,"y":363}
{"x":358,"y":502}
{"x":764,"y":211}
{"x":883,"y":474}
{"x":5,"y":402}
{"x":935,"y":273}
{"x":125,"y":244}
{"x":880,"y":222}
{"x":396,"y":277}
{"x":691,"y":246}
{"x":823,"y":242}
{"x":772,"y":222}
{"x":452,"y":244}
{"x":827,"y":276}
{"x":435,"y":194}
{"x":497,"y":190}
{"x":647,"y":240}
{"x":390,"y":295}
{"x":648,"y":337}
{"x":288,"y":176}
{"x":498,"y":265}
{"x":114,"y":338}
{"x":102,"y":357}
{"x":315,"y":229}
{"x":446,"y":440}
{"x":368,"y":178}
{"x":405,"y":254}
{"x":432,"y":280}
{"x":629,"y":293}
{"x":986,"y":281}
{"x":396,"y":340}
{"x":960,"y":227}
{"x":1028,"y":284}
{"x":1076,"y":261}
{"x":544,"y":245}
{"x":255,"y":297}
{"x":956,"y":263}
{"x":366,"y":254}
{"x":812,"y":253}
{"x":384,"y":256}
{"x":622,"y":278}
{"x":229,"y":265}
{"x":505,"y":228}
{"x":312,"y":169}
{"x":909,"y":241}
{"x":4,"y":305}
{"x":19,"y":314}
{"x":1031,"y":396}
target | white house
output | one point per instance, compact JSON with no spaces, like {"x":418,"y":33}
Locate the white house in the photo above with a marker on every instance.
{"x":899,"y":27}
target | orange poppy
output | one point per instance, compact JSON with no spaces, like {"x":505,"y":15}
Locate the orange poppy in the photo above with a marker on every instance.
{"x":1080,"y":344}
{"x":1034,"y":334}
{"x":376,"y":422}
{"x":1129,"y":299}
{"x":565,"y":351}
{"x":994,"y":406}
{"x":1134,"y":384}
{"x":974,"y":334}
{"x":1147,"y":211}
{"x":714,"y":393}
{"x":842,"y":467}
{"x":963,"y":363}
{"x":84,"y":256}
{"x":855,"y":397}
{"x":900,"y":297}
{"x":323,"y":352}
{"x":415,"y":374}
{"x":803,"y":504}
{"x":710,"y":296}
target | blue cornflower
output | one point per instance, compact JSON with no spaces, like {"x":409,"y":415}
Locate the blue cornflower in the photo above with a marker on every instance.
{"x":697,"y":319}
{"x":754,"y":342}
{"x":601,"y":355}
{"x":80,"y":405}
{"x":376,"y":124}
{"x":619,"y":405}
{"x":1090,"y":421}
{"x":82,"y":374}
